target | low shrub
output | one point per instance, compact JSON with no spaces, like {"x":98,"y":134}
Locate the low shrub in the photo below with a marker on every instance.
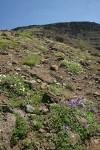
{"x":72,"y":66}
{"x":60,"y":55}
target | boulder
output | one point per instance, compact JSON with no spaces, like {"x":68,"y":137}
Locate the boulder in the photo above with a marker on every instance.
{"x":30,"y":109}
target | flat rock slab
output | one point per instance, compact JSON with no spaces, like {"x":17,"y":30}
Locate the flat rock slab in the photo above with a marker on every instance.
{"x":42,"y":74}
{"x":7,"y":125}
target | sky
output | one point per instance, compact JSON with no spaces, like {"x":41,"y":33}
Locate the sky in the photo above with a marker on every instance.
{"x":17,"y":13}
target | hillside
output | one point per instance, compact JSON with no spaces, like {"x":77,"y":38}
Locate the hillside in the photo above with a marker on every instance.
{"x":50,"y":87}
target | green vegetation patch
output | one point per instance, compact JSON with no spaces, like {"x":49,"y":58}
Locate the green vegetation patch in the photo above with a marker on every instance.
{"x":59,"y":46}
{"x":20,"y":131}
{"x":56,"y":89}
{"x":25,"y":34}
{"x":60,"y":55}
{"x":12,"y":84}
{"x":37,"y":123}
{"x":65,"y":120}
{"x":72,"y":66}
{"x":36,"y":98}
{"x":5,"y":43}
{"x":32,"y":60}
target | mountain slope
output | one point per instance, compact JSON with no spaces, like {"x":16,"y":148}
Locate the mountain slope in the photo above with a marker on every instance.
{"x":88,"y":32}
{"x":49,"y":87}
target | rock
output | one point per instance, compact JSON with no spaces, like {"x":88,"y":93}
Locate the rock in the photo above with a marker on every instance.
{"x":9,"y":63}
{"x":44,"y":86}
{"x":61,"y":77}
{"x":54,"y":67}
{"x":44,"y":61}
{"x":70,"y":73}
{"x":39,"y":81}
{"x":17,"y":69}
{"x":3,"y":52}
{"x":20,"y":112}
{"x":32,"y":116}
{"x":64,"y":84}
{"x":14,"y":62}
{"x":97,"y":79}
{"x":74,"y":79}
{"x":96,"y":141}
{"x":58,"y":83}
{"x":26,"y":67}
{"x":98,"y":87}
{"x":55,"y":81}
{"x":60,"y":58}
{"x":47,"y":135}
{"x":30,"y":109}
{"x":3,"y":99}
{"x":31,"y":82}
{"x":7,"y":125}
{"x":79,"y":88}
{"x":96,"y":94}
{"x":90,"y":82}
{"x":42,"y":131}
{"x":42,"y":73}
{"x":50,"y":97}
{"x":82,"y":121}
{"x":74,"y":137}
{"x":39,"y":66}
{"x":44,"y":109}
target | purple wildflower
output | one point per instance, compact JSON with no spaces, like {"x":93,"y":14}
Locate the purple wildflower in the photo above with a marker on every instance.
{"x":73,"y":101}
{"x":90,"y":108}
{"x":81,"y":103}
{"x":80,"y":97}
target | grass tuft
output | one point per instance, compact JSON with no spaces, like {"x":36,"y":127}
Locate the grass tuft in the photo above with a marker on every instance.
{"x":32,"y":60}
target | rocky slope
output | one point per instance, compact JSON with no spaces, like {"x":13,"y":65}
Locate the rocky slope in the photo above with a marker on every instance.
{"x":50,"y":87}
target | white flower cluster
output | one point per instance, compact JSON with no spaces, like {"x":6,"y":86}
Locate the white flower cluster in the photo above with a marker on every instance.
{"x":12,"y":82}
